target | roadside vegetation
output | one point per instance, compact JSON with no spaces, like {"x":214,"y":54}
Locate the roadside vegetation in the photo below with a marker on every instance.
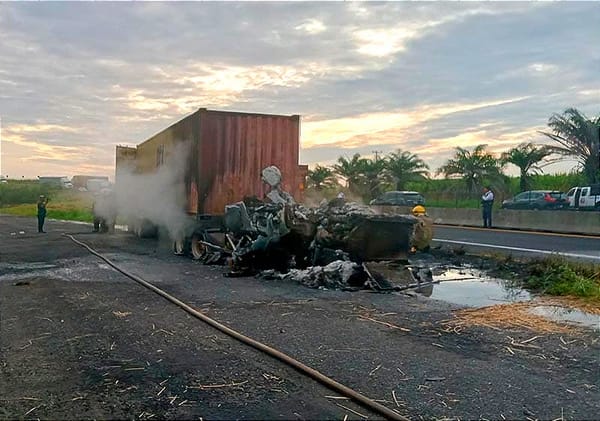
{"x":573,"y":135}
{"x":557,"y":276}
{"x":20,"y":198}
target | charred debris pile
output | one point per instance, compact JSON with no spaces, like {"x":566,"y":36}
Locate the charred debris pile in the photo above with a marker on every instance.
{"x":338,"y":245}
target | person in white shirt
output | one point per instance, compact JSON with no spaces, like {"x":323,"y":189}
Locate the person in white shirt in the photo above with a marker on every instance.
{"x":487,"y":201}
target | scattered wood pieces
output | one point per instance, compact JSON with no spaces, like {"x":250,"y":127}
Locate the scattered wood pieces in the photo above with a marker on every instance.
{"x":45,"y":318}
{"x":217,"y":386}
{"x":163,"y":331}
{"x":353,"y":411}
{"x":32,"y":409}
{"x":374,"y":370}
{"x":435,"y":379}
{"x":342,"y":398}
{"x":531,"y":339}
{"x":523,"y":344}
{"x":121,"y":314}
{"x":161,"y":390}
{"x":134,"y":368}
{"x":395,"y":398}
{"x":381,"y":322}
{"x":26,"y":345}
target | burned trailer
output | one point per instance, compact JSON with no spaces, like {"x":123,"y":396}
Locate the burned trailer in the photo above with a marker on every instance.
{"x":211,"y":159}
{"x":280,"y":236}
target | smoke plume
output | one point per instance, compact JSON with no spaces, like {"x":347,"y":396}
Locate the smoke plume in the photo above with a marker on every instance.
{"x":158,"y":197}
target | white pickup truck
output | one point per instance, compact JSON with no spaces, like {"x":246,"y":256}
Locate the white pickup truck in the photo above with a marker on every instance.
{"x":587,"y":197}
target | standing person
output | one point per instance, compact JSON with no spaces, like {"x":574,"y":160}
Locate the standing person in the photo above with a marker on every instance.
{"x":41,"y":212}
{"x":422,"y":230}
{"x":487,"y":201}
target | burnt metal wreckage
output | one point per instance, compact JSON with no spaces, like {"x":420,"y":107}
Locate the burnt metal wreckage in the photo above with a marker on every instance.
{"x":337,"y":245}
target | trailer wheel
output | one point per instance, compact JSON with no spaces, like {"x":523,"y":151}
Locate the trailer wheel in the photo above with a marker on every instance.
{"x":197,"y":248}
{"x":179,"y":247}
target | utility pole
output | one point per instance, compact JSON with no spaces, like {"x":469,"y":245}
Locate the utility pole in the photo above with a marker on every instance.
{"x":377,"y":155}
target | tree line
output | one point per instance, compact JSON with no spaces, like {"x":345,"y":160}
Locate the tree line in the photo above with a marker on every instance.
{"x":573,"y":136}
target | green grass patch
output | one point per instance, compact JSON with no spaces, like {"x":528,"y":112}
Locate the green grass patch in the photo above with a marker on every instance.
{"x":20,"y":192}
{"x":20,"y":199}
{"x":557,"y":276}
{"x":64,"y":212}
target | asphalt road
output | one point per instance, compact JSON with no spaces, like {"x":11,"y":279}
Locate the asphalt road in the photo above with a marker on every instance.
{"x":80,"y":341}
{"x":519,"y":242}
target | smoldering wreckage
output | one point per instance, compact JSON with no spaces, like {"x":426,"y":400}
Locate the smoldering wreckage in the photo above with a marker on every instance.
{"x":337,"y":245}
{"x":201,"y":179}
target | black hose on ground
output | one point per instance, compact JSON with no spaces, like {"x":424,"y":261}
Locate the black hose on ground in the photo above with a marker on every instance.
{"x":304,"y":369}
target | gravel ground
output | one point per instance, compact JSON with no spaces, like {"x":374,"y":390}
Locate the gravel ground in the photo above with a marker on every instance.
{"x":79,"y":340}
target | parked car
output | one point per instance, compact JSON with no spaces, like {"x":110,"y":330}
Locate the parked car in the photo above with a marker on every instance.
{"x":399,"y":198}
{"x":537,"y":200}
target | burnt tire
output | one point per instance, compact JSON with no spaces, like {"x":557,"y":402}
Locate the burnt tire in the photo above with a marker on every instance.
{"x":197,"y":249}
{"x":180,"y":247}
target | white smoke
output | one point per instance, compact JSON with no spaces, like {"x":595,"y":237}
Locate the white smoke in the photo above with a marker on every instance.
{"x":158,"y":197}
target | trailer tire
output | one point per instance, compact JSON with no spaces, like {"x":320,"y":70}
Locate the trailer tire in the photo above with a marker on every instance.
{"x":180,"y":247}
{"x":197,"y":249}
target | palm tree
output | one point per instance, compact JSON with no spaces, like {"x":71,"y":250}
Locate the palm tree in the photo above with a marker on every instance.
{"x":403,"y":166}
{"x":578,"y":136}
{"x":372,"y":177}
{"x":350,"y":170}
{"x":526,"y":156}
{"x":320,"y":178}
{"x":473,"y":167}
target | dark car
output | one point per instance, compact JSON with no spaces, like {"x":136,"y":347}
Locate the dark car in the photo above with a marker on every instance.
{"x":399,"y":198}
{"x":537,"y":200}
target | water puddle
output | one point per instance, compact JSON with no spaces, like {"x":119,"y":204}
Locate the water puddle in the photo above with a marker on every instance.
{"x":568,"y":315}
{"x":470,"y":287}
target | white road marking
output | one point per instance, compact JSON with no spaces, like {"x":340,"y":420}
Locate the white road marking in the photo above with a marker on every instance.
{"x":495,"y":246}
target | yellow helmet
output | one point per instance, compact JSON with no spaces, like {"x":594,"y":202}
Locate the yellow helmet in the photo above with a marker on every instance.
{"x":418,"y":210}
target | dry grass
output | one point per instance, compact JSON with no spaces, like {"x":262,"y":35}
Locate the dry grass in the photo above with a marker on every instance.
{"x":514,"y":315}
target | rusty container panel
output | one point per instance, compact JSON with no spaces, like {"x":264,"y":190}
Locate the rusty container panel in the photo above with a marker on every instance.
{"x":169,"y":154}
{"x":224,"y":153}
{"x":233,"y":148}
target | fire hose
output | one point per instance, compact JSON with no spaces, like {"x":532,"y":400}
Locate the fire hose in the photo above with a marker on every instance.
{"x":302,"y":368}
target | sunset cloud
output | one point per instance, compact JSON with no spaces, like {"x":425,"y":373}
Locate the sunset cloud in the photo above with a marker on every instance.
{"x":76,"y":79}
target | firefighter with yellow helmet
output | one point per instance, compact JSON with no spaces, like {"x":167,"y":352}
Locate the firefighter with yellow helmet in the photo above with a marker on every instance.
{"x":422,"y":230}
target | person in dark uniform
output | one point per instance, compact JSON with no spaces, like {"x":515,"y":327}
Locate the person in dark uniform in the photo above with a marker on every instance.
{"x":41,"y":212}
{"x":487,"y":201}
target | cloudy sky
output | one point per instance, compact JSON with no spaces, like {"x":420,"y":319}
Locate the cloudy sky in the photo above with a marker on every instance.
{"x":76,"y":79}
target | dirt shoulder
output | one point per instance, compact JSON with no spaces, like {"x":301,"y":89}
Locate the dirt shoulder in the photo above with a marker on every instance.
{"x":81,"y":341}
